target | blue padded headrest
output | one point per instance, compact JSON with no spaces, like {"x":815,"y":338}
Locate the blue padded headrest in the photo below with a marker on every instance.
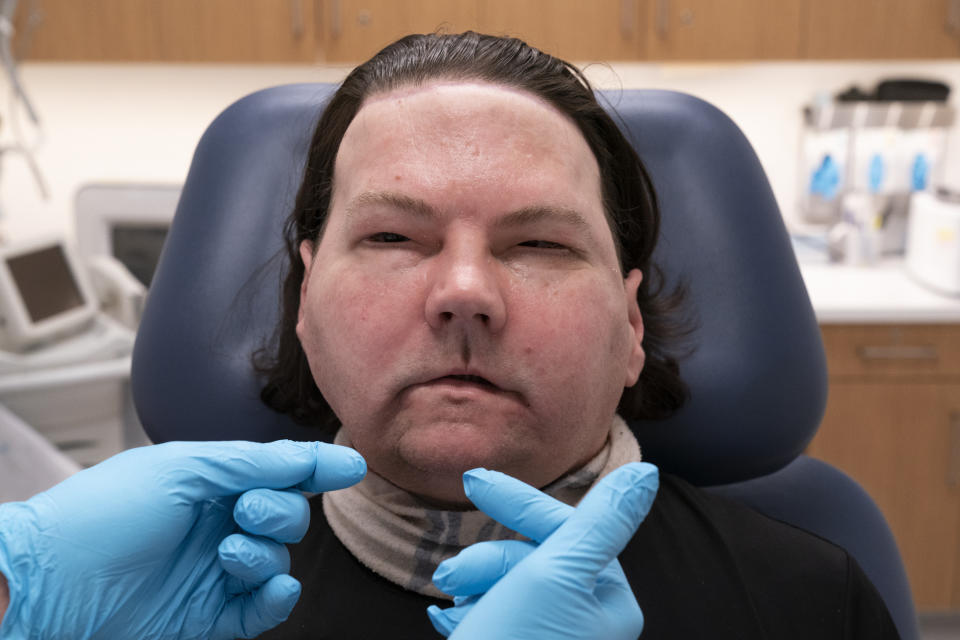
{"x":757,"y":375}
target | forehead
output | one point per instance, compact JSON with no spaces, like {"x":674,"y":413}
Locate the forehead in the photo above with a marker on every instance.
{"x":468,"y":136}
{"x":460,"y":102}
{"x":460,"y":105}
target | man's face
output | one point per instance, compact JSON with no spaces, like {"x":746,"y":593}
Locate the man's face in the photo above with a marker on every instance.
{"x":464,"y":306}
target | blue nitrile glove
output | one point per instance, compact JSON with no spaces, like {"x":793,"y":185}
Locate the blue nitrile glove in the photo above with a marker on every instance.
{"x":145,"y":544}
{"x":571,"y":585}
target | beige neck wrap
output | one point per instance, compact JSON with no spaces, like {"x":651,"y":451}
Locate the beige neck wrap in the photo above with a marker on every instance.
{"x":395,"y":535}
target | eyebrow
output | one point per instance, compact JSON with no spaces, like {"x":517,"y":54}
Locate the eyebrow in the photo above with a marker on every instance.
{"x":514,"y":219}
{"x":414,"y":206}
{"x":535,"y":214}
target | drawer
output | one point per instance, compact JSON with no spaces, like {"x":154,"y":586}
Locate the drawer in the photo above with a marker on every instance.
{"x":892,"y":350}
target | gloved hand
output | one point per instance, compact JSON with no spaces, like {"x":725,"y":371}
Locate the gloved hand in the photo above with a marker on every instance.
{"x":571,"y":585}
{"x":144,"y":545}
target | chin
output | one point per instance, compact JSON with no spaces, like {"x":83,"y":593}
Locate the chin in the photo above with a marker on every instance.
{"x":438,"y":461}
{"x":453,"y":449}
{"x":431,"y":463}
{"x":452,"y":500}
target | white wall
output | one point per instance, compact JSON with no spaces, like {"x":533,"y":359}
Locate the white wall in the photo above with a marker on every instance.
{"x":140,"y":123}
{"x":119,"y":122}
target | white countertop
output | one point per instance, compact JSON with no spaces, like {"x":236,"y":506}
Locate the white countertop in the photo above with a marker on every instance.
{"x":881,"y":293}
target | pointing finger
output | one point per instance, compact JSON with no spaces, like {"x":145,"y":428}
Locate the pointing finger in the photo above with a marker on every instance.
{"x":336,"y":468}
{"x":515,"y":504}
{"x":202,"y":470}
{"x":606,"y":519}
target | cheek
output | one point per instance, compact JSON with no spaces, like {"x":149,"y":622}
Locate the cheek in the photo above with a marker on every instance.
{"x":350,"y":324}
{"x":574,"y":332}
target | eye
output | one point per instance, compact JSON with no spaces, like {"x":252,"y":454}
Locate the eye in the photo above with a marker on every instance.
{"x":542,"y":244}
{"x":387,"y":237}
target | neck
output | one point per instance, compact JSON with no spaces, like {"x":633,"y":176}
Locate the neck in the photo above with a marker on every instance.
{"x":403,"y":537}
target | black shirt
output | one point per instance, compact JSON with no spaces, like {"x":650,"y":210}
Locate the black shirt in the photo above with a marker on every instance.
{"x":701,"y":567}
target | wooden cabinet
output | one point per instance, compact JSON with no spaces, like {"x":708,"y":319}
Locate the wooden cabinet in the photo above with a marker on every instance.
{"x":333,"y":31}
{"x":65,"y":30}
{"x":670,"y":30}
{"x":729,"y":30}
{"x":237,"y":30}
{"x":349,"y":31}
{"x":167,"y":30}
{"x":893,"y":423}
{"x":600,"y":30}
{"x":802,"y":29}
{"x":353,"y":30}
{"x":863,"y":29}
{"x":571,"y":29}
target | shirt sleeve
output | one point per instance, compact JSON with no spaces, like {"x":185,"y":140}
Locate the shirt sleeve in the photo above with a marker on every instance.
{"x":865,"y":615}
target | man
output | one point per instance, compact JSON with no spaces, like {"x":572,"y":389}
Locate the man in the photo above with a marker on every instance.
{"x":185,"y":540}
{"x":470,"y":285}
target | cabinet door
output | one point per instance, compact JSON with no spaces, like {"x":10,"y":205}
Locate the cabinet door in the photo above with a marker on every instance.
{"x":95,"y":30}
{"x":168,"y":30}
{"x":899,"y":439}
{"x":270,"y":31}
{"x":881,"y":29}
{"x":354,"y":30}
{"x":729,"y":30}
{"x":597,"y":31}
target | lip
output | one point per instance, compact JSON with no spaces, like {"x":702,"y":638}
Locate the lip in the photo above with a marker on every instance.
{"x":473,"y":382}
{"x":456,"y":386}
{"x":463,"y":379}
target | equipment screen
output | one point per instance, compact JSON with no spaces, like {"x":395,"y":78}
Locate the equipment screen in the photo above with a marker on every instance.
{"x":138,"y":248}
{"x":45,"y":282}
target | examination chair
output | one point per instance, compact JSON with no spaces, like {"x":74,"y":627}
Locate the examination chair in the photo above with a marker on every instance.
{"x":757,"y":375}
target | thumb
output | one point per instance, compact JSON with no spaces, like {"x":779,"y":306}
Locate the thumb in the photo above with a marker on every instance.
{"x":204,"y":470}
{"x":251,"y":614}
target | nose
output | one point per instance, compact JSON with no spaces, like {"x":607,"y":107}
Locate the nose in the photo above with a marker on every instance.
{"x":465,"y":289}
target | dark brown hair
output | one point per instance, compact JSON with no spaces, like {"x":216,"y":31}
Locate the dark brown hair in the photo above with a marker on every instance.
{"x":629,"y":201}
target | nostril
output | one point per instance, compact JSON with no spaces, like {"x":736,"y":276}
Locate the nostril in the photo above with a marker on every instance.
{"x":448,"y":315}
{"x":447,"y":305}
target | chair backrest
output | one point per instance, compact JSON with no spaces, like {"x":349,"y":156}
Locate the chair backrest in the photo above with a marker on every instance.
{"x":757,"y":375}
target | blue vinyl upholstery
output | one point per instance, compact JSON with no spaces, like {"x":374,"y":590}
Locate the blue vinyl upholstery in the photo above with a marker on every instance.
{"x":757,"y":375}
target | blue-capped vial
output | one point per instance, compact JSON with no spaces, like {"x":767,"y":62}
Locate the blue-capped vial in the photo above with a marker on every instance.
{"x":919,"y":172}
{"x":876,"y":173}
{"x":825,"y":181}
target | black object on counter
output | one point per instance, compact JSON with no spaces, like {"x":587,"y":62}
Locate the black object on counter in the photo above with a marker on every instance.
{"x":899,"y":90}
{"x":912,"y":90}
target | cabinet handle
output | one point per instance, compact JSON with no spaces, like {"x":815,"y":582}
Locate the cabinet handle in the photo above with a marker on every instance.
{"x":628,"y":15}
{"x":953,"y":17}
{"x":335,"y":26}
{"x":663,"y":17}
{"x":896,"y":352}
{"x":953,"y":472}
{"x":296,"y":18}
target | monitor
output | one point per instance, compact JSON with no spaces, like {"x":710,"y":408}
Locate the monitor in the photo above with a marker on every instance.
{"x":126,"y":221}
{"x":44,"y":293}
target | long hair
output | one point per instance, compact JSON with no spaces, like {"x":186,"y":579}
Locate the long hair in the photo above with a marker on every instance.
{"x":629,"y":201}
